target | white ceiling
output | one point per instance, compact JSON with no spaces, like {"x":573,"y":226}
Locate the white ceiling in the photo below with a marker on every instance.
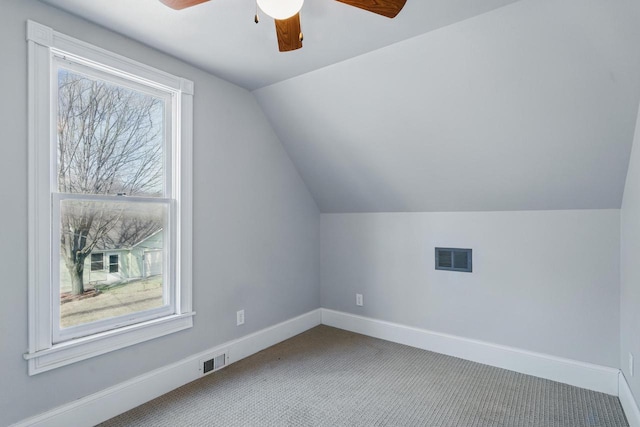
{"x":221,"y":37}
{"x":531,"y":105}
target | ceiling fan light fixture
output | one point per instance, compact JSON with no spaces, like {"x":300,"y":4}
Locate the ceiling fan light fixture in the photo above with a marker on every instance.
{"x":280,"y":9}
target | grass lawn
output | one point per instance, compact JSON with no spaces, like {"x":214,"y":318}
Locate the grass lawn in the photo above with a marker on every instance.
{"x":114,"y":301}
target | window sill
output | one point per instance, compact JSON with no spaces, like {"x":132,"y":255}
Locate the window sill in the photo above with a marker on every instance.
{"x":83,"y":348}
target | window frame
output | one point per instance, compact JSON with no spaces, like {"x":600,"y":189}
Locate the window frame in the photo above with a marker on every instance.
{"x":101,"y":261}
{"x":44,"y":354}
{"x":117,"y":263}
{"x":60,"y":334}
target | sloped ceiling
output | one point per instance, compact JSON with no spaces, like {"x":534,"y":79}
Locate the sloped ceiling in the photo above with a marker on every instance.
{"x":455,"y":105}
{"x":530,"y":106}
{"x":221,"y":37}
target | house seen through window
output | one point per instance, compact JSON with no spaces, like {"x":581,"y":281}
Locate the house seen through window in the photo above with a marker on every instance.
{"x":110,"y":212}
{"x":111,"y":198}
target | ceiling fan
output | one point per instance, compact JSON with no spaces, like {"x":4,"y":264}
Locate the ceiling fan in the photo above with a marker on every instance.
{"x":286,"y":14}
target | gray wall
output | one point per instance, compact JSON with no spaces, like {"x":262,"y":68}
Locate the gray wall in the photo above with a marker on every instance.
{"x":255,"y":224}
{"x":630,"y":269}
{"x":545,"y":281}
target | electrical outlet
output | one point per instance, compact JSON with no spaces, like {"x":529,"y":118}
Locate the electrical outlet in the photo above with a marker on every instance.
{"x":359,"y":301}
{"x":240,"y":318}
{"x":631,"y":364}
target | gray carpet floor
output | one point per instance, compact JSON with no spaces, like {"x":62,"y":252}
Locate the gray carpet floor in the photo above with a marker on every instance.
{"x":330,"y":377}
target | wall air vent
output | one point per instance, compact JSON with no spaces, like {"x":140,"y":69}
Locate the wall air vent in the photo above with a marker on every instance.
{"x":213,"y":362}
{"x":453,"y":259}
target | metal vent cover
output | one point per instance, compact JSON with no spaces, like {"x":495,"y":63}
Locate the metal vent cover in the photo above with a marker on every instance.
{"x":454,"y":259}
{"x":213,"y":362}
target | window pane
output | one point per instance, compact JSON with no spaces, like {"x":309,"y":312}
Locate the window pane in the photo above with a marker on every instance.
{"x":127,"y":232}
{"x":110,"y":138}
{"x":97,"y":261}
{"x":113,"y":263}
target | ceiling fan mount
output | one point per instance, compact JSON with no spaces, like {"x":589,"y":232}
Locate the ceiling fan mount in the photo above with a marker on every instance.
{"x":288,"y":30}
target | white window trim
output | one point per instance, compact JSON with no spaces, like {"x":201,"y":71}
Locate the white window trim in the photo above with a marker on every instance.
{"x":42,"y":354}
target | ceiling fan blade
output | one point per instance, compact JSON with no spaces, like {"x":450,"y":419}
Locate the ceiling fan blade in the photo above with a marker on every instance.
{"x":289,"y":34}
{"x":388,"y":8}
{"x":181,"y":4}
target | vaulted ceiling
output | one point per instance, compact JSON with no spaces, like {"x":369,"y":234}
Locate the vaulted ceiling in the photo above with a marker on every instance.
{"x":452,"y":106}
{"x":220,"y":36}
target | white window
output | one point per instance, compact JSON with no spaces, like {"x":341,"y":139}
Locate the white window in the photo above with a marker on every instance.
{"x":114,"y":263}
{"x":97,"y":261}
{"x":109,"y":168}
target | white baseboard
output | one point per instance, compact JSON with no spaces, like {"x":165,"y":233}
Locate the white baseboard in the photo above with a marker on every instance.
{"x":586,"y":375}
{"x":101,"y":406}
{"x":628,"y":402}
{"x":120,"y":398}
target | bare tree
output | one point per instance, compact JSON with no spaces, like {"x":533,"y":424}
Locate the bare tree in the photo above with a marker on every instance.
{"x":109,"y":143}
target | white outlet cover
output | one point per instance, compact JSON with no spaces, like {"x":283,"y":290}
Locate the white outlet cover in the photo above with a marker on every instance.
{"x":240,"y":317}
{"x":359,"y":300}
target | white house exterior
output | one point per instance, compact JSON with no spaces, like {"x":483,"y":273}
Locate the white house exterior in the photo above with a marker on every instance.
{"x":106,"y":266}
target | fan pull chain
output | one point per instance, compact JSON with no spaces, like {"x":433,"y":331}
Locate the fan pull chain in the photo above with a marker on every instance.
{"x":256,"y":18}
{"x":300,"y":36}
